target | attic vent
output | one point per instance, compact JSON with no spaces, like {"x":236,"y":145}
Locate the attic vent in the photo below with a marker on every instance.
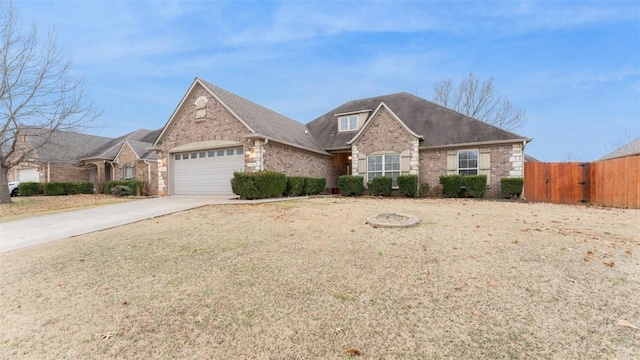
{"x":201,"y":107}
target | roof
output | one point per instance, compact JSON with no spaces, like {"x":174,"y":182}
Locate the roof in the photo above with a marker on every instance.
{"x":62,"y":146}
{"x":263,"y":121}
{"x":259,"y":121}
{"x":439,"y":126}
{"x":632,"y":148}
{"x":139,"y":140}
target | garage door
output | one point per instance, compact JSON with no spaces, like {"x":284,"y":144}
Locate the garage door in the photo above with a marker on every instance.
{"x":28,"y":175}
{"x":206,"y":172}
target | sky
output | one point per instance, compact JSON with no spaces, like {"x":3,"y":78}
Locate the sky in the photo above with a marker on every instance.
{"x":573,"y":66}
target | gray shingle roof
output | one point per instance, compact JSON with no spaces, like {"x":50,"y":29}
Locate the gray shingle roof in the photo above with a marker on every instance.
{"x":264,"y":121}
{"x":632,"y":148}
{"x":438,"y":125}
{"x":143,"y":139}
{"x":62,"y":146}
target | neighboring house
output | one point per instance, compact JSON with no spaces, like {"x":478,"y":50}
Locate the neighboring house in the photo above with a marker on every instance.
{"x":213,"y":133}
{"x":632,"y":148}
{"x":70,"y":156}
{"x":55,"y":156}
{"x":123,"y":158}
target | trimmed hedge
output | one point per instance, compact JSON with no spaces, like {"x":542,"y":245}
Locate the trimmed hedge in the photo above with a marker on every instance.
{"x":511,"y":187}
{"x":380,"y":186}
{"x":121,"y":190}
{"x":30,"y":188}
{"x":259,"y":185}
{"x":54,"y":188}
{"x":314,"y":186}
{"x":350,"y":185}
{"x":295,"y":185}
{"x":133,"y":184}
{"x":424,"y":189}
{"x":408,"y":185}
{"x":451,"y":185}
{"x":475,"y":185}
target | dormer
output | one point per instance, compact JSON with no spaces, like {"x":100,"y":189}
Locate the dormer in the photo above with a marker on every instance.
{"x":352,"y":121}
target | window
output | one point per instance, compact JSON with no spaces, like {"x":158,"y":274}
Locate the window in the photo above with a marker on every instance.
{"x":239,"y":151}
{"x":178,"y":157}
{"x":202,"y":154}
{"x":128,"y":172}
{"x":348,"y":123}
{"x":229,"y":151}
{"x":185,"y":156}
{"x":384,"y":165}
{"x":220,"y":153}
{"x":468,"y":162}
{"x":212,"y":153}
{"x":194,"y":155}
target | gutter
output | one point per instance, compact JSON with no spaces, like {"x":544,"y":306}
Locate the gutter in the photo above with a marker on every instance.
{"x":494,"y":142}
{"x":267,"y":138}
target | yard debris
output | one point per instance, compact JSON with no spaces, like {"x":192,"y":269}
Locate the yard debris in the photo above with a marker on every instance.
{"x":571,"y":280}
{"x":627,"y":324}
{"x":354,"y":352}
{"x":608,"y":263}
{"x":628,"y":251}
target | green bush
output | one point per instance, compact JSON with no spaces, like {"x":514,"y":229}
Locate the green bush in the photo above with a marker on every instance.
{"x":510,"y":187}
{"x":380,"y":186}
{"x":295,"y":185}
{"x":314,"y":186}
{"x":451,"y":185}
{"x":259,"y":185}
{"x":133,"y":184}
{"x":408,"y":185}
{"x":84,"y":187}
{"x":30,"y":188}
{"x":424,"y":190}
{"x":475,"y":185}
{"x":349,"y":185}
{"x":121,"y":190}
{"x":54,"y":188}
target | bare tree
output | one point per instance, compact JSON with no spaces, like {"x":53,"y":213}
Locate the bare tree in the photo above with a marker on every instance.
{"x":480,"y":101}
{"x":36,"y":91}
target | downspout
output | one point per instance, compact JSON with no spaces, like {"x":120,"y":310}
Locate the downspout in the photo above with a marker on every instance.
{"x":48,"y":171}
{"x":148,"y":174}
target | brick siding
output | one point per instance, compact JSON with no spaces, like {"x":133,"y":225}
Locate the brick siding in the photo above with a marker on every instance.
{"x":296,"y":162}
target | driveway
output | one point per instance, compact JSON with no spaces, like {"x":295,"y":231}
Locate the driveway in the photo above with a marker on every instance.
{"x":40,"y":229}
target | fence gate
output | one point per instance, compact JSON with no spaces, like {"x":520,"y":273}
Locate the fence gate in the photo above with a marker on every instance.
{"x":558,"y":183}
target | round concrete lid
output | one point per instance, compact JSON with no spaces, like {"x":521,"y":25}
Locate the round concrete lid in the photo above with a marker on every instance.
{"x":392,"y":220}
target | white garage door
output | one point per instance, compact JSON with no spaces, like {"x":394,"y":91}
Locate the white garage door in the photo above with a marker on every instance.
{"x":28,"y":175}
{"x":206,"y":172}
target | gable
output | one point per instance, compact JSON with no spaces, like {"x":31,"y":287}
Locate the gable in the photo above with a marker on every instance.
{"x":388,"y":122}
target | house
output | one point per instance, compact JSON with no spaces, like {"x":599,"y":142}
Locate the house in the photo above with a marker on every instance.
{"x":632,"y":148}
{"x":123,"y":158}
{"x":70,"y":156}
{"x":213,"y":133}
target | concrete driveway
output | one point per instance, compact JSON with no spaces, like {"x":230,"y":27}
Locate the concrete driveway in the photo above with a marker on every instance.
{"x":40,"y":229}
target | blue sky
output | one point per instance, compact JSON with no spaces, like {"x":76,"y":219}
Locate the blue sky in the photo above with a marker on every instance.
{"x":573,"y":66}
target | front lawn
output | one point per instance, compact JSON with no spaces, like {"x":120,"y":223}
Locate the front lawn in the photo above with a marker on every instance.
{"x":309,"y":279}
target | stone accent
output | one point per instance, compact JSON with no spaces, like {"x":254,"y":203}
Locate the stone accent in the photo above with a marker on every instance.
{"x":517,"y":161}
{"x":296,"y":162}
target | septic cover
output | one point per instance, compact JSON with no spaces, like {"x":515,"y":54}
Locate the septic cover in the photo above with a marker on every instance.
{"x":392,"y":220}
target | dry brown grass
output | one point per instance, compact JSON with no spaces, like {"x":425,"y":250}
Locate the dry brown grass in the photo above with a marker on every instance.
{"x":309,"y":279}
{"x":40,"y":205}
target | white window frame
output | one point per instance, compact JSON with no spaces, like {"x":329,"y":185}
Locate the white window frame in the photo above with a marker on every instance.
{"x":466,"y":168}
{"x":128,"y":172}
{"x":387,"y":167}
{"x":350,"y":123}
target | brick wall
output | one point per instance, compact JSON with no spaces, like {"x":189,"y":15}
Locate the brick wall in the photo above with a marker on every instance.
{"x":127,"y":157}
{"x":65,"y":172}
{"x":384,"y":133}
{"x":433,"y":163}
{"x":296,"y":162}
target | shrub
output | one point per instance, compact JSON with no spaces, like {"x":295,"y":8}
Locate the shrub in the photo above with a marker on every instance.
{"x":259,"y":185}
{"x":424,"y":190}
{"x":350,"y":185}
{"x":54,"y":188}
{"x":85,"y":187}
{"x":295,"y":185}
{"x":511,"y":187}
{"x":408,"y":185}
{"x":314,"y":186}
{"x":475,"y":185}
{"x":133,"y":184}
{"x":380,"y":186}
{"x":30,"y":188}
{"x":451,"y":185}
{"x":121,"y":190}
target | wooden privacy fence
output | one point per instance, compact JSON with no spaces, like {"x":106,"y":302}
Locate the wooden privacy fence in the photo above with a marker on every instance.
{"x":614,"y":182}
